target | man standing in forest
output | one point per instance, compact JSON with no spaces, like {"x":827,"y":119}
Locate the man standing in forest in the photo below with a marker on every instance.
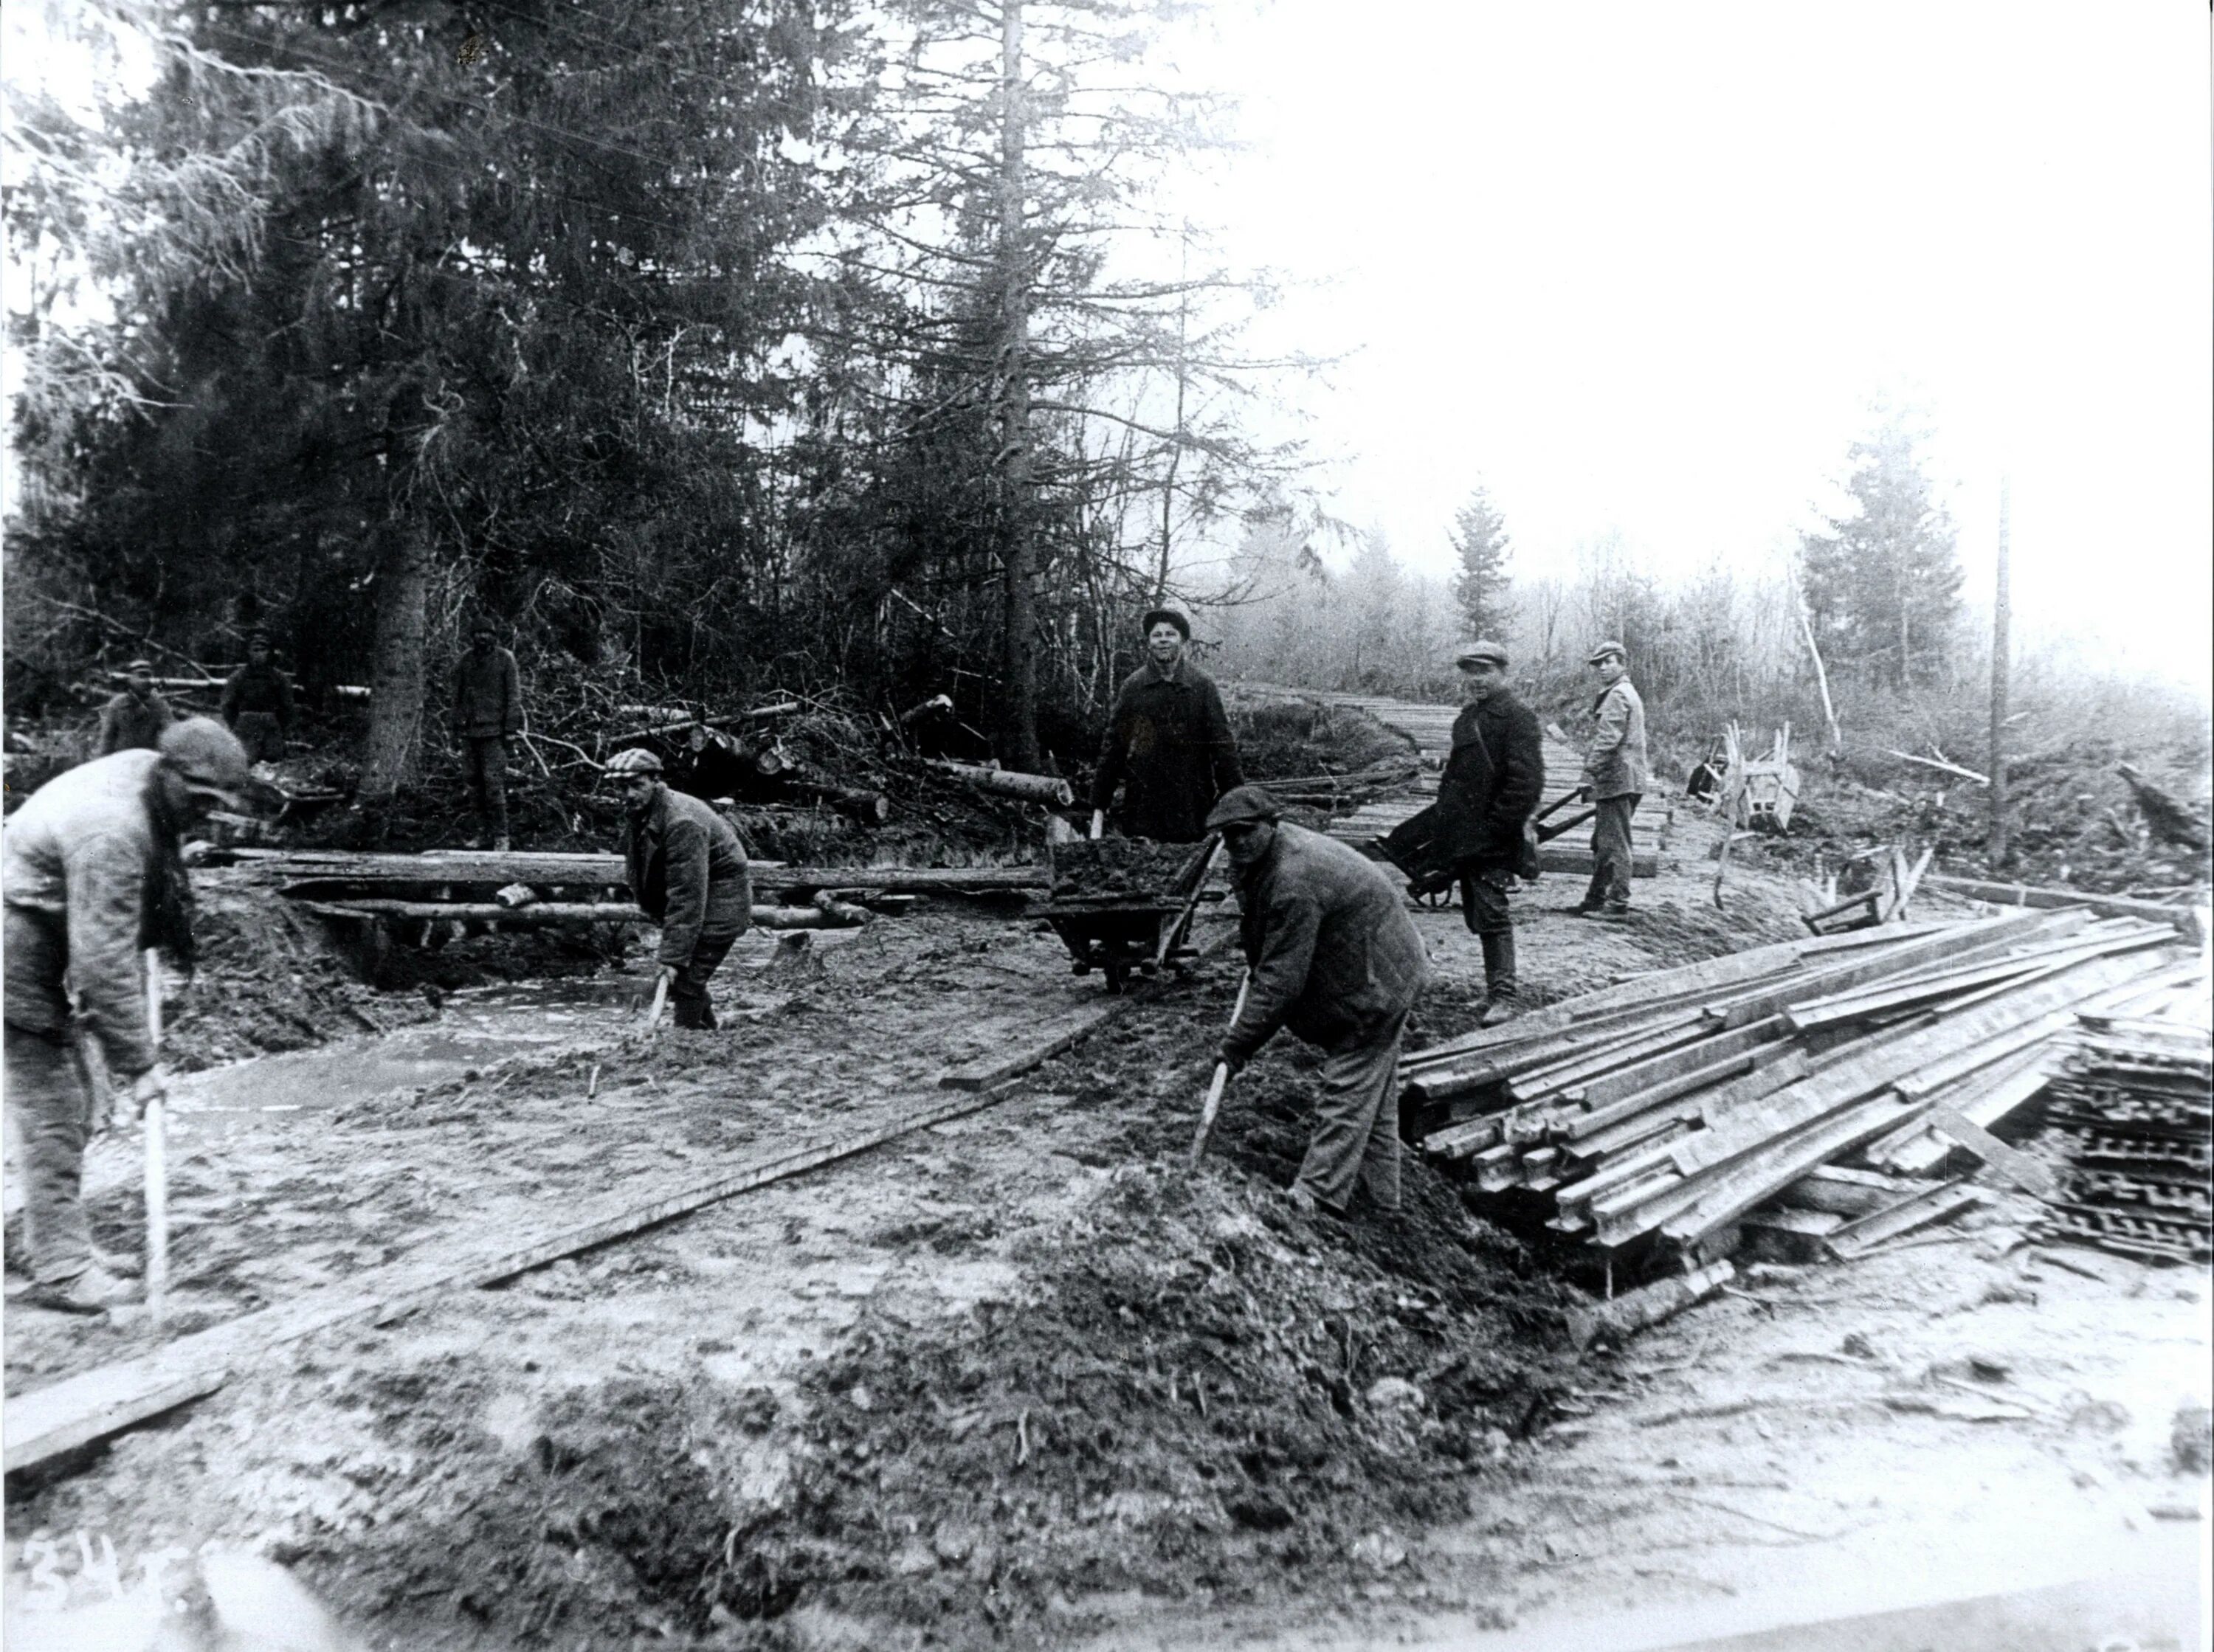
{"x":1336,"y":959}
{"x":1491,"y":784}
{"x":257,"y":703}
{"x":134,"y":719}
{"x":93,"y":875}
{"x":1168,"y":744}
{"x":687,"y":873}
{"x":1614,"y":779}
{"x":487,"y":712}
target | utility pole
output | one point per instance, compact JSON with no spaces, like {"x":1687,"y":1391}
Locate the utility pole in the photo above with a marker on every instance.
{"x":1019,"y":609}
{"x":1999,"y":850}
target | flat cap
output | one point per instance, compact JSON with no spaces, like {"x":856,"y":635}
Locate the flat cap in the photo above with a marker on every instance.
{"x":143,"y":667}
{"x":1484,"y":649}
{"x":634,"y":759}
{"x":208,"y":757}
{"x":1242,"y":806}
{"x":1157,"y":616}
{"x":1609,"y":647}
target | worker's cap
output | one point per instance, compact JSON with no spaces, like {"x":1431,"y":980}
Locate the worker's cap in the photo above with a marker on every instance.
{"x":139,"y":668}
{"x":634,"y":759}
{"x":1242,"y":806}
{"x":482,"y":627}
{"x":208,"y":757}
{"x":1167,"y":616}
{"x":1607,"y":651}
{"x":1482,"y":652}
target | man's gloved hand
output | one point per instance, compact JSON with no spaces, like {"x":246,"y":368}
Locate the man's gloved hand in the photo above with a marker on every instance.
{"x":666,"y":976}
{"x":1230,"y":1058}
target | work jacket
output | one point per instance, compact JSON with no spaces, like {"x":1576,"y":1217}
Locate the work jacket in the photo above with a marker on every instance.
{"x":81,"y":855}
{"x":129,"y":724}
{"x":1615,"y":765}
{"x":1334,"y":955}
{"x":487,"y":695}
{"x":1168,"y":746}
{"x":687,"y":872}
{"x":1492,"y":782}
{"x":258,"y":691}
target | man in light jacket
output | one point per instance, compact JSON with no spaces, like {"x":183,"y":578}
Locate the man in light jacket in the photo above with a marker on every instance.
{"x":93,"y":877}
{"x":687,"y":873}
{"x":1336,"y":959}
{"x":1614,"y":779}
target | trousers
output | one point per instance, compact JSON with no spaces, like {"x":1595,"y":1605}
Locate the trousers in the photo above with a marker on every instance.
{"x":688,"y":994}
{"x":1610,"y":884}
{"x":1484,"y":901}
{"x":484,"y":762}
{"x":262,"y":734}
{"x":1356,"y":1130}
{"x":50,"y":1106}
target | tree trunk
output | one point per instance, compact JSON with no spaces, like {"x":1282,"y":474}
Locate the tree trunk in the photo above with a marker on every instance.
{"x":2000,"y":850}
{"x":1018,"y":737}
{"x":395,"y":706}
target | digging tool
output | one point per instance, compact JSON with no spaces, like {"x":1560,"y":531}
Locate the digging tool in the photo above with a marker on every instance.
{"x":157,"y":1168}
{"x":1214,"y":1085}
{"x":1172,"y":934}
{"x":660,"y":1002}
{"x":1098,"y":821}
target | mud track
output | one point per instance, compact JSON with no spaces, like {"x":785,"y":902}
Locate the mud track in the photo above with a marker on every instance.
{"x":1021,"y":1379}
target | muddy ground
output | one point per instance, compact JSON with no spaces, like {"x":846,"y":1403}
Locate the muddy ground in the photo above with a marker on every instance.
{"x":1022,"y":1379}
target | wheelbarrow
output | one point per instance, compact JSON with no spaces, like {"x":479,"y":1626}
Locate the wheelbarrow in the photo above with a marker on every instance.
{"x":1124,"y":906}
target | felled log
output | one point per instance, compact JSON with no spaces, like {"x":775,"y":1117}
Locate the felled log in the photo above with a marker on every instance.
{"x":544,"y":914}
{"x":1634,"y":1310}
{"x":869,"y":807}
{"x":2170,"y":821}
{"x":781,"y":708}
{"x":1031,"y":787}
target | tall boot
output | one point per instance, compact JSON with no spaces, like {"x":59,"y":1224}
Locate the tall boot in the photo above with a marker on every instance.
{"x":1499,"y":977}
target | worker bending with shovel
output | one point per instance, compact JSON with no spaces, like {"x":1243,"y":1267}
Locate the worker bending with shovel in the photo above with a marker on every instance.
{"x":93,"y":875}
{"x":687,"y":873}
{"x":1334,"y":957}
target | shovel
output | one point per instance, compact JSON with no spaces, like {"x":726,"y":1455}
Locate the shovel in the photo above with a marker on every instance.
{"x":660,"y":1000}
{"x":157,"y":1168}
{"x":1214,"y":1085}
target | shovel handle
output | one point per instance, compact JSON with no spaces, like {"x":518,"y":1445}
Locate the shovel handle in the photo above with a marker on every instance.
{"x":157,"y":1166}
{"x":1098,"y":821}
{"x":660,"y":1001}
{"x":1213,"y":1105}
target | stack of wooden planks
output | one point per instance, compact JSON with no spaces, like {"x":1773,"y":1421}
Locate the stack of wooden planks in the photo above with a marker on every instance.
{"x":2132,"y":1099}
{"x":1655,"y":1115}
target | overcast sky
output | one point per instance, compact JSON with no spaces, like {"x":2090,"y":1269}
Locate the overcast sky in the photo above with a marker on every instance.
{"x":1646,"y":268}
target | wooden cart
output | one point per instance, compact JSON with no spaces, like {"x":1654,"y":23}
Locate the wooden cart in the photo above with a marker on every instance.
{"x":1124,"y":906}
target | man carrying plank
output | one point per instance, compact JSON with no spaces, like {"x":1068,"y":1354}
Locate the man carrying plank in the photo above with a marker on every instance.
{"x":687,"y":873}
{"x":94,"y":874}
{"x":1491,"y":784}
{"x":1336,"y":959}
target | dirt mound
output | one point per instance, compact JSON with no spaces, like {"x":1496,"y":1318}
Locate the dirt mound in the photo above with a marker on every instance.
{"x":1280,"y":739}
{"x":2077,"y":823}
{"x":264,"y":982}
{"x":1200,"y":1393}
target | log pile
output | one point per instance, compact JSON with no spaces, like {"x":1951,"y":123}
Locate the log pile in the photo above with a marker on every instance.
{"x":2131,"y":1104}
{"x":1653,"y":1116}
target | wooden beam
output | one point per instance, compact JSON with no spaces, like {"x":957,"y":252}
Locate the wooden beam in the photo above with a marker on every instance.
{"x":2023,"y":894}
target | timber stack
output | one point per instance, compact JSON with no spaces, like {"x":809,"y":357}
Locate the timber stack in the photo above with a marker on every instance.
{"x":1647,"y":1121}
{"x":2131,"y":1101}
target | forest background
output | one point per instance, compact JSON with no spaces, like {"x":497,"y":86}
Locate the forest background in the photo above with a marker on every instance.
{"x":721,"y":348}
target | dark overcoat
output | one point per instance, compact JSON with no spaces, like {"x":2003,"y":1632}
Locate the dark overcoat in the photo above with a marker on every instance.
{"x":1492,"y":782}
{"x":1170,"y":748}
{"x":687,"y":873}
{"x":1335,"y":957}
